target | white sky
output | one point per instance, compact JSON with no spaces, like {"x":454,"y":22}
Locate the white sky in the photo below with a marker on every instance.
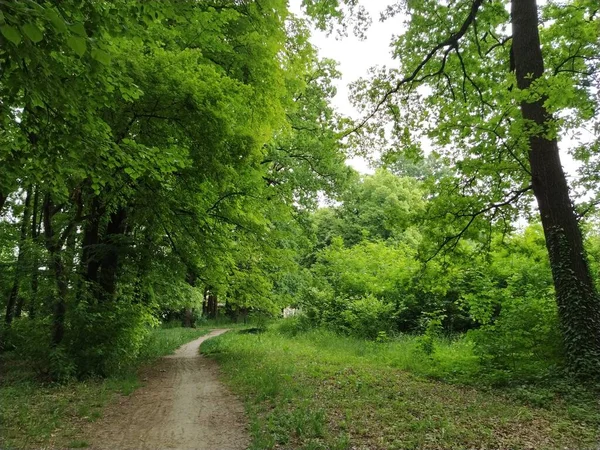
{"x":355,"y":57}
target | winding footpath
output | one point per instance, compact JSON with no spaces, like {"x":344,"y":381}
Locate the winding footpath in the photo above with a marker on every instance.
{"x":182,"y":406}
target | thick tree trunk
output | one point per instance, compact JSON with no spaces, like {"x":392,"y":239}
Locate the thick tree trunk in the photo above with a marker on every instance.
{"x":578,"y":302}
{"x":15,"y":301}
{"x":188,"y":317}
{"x":211,"y":309}
{"x":90,"y":260}
{"x":109,"y":264}
{"x":57,"y":265}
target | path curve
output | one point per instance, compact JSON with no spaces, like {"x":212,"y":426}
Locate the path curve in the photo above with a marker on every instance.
{"x":182,"y":406}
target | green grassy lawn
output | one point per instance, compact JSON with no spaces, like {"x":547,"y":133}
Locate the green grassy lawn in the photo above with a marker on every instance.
{"x":36,"y":415}
{"x":321,"y":391}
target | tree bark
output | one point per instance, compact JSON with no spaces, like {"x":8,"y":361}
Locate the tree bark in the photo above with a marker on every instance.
{"x":90,"y":260}
{"x":35,"y":272}
{"x":576,"y":296}
{"x":205,"y":302}
{"x":188,"y":317}
{"x":188,"y":313}
{"x":3,"y":198}
{"x":56,"y":262}
{"x":22,"y":250}
{"x":109,"y":264}
{"x":15,"y":301}
{"x":211,"y":304}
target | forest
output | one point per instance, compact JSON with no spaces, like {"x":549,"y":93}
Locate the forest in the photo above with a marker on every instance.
{"x":169,"y":167}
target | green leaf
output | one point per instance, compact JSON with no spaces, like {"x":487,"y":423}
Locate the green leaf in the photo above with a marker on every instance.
{"x":11,"y":33}
{"x":56,"y":20}
{"x":77,"y":44}
{"x":79,"y":29}
{"x":2,"y":20}
{"x":101,"y":56}
{"x":32,"y":32}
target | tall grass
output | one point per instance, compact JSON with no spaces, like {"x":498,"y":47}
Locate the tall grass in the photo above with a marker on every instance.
{"x":319,"y":390}
{"x":452,"y":358}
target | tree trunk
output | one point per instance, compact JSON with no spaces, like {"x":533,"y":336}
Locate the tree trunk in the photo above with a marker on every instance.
{"x":24,"y":231}
{"x":3,"y":198}
{"x":188,"y":313}
{"x":15,"y":301}
{"x":90,"y":260}
{"x":70,"y":256}
{"x":578,"y":302}
{"x":188,"y":317}
{"x":56,"y":263}
{"x":35,"y":271}
{"x":205,"y":302}
{"x":109,"y":264}
{"x":211,"y":305}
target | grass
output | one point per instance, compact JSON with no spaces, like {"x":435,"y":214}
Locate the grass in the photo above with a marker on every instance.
{"x":321,"y":391}
{"x":38,"y":415}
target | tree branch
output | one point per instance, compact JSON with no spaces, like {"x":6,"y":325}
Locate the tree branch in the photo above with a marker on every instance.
{"x":454,"y":239}
{"x":450,"y":42}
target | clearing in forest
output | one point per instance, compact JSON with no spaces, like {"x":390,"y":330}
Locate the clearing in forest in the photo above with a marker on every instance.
{"x":320,"y":391}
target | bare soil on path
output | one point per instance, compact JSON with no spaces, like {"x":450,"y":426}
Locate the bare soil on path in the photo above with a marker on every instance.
{"x":182,"y":405}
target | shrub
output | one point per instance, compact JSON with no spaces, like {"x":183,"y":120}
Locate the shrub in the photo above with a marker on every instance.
{"x":294,"y":325}
{"x":30,"y":339}
{"x":105,"y":338}
{"x":366,"y":317}
{"x":523,"y":338}
{"x":433,"y":329}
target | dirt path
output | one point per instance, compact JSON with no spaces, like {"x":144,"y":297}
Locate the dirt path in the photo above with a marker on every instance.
{"x":182,"y":406}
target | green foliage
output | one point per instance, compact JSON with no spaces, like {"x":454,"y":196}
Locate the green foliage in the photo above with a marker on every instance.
{"x":433,"y":330}
{"x":144,"y":164}
{"x":525,"y":333}
{"x":295,"y":325}
{"x":119,"y":332}
{"x":367,"y":317}
{"x":31,"y":340}
{"x":514,"y":302}
{"x":503,"y":292}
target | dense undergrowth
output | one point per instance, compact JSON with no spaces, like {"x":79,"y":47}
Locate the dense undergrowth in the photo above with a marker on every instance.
{"x":36,"y":414}
{"x":318,"y":390}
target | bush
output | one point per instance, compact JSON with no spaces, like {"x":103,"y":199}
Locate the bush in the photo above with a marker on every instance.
{"x":105,"y":338}
{"x":367,"y":317}
{"x":297,"y":324}
{"x":433,"y":330}
{"x":30,"y":339}
{"x":523,"y":338}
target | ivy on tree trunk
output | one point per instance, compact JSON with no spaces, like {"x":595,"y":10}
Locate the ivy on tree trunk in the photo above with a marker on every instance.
{"x":577,"y":299}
